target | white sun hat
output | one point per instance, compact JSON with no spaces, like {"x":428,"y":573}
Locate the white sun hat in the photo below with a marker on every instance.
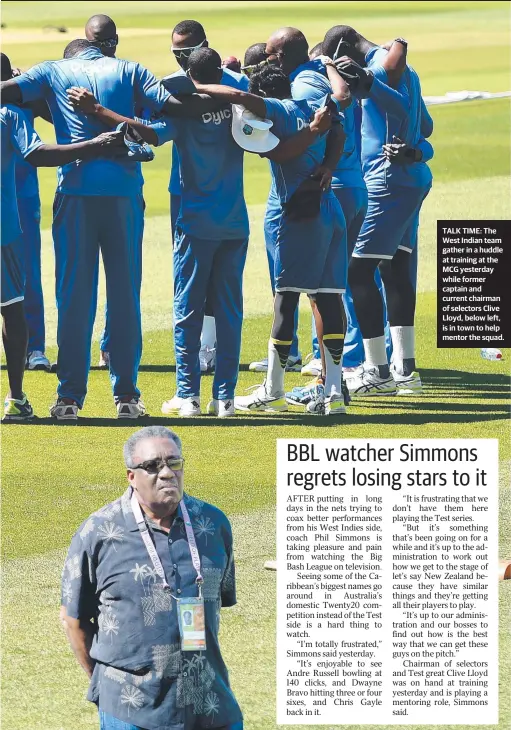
{"x":251,"y":132}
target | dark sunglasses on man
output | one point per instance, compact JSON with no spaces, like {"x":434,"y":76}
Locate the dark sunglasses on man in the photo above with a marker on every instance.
{"x":154,"y":466}
{"x":107,"y":42}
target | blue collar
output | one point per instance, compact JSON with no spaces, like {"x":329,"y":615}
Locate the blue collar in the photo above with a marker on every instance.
{"x":314,"y":65}
{"x":89,"y":53}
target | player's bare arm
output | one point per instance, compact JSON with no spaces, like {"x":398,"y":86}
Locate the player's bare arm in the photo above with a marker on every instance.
{"x":84,"y":101}
{"x":226,"y":94}
{"x":394,"y":62}
{"x":298,"y":143}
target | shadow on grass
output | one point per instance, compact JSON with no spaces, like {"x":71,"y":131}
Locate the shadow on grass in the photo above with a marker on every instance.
{"x":286,"y":419}
{"x":430,"y":408}
{"x":148,"y":368}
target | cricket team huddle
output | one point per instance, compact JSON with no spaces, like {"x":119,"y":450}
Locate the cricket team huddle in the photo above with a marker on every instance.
{"x":345,"y":131}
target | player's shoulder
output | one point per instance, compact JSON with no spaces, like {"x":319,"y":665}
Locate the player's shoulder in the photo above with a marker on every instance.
{"x":235,"y":79}
{"x":178,"y":83}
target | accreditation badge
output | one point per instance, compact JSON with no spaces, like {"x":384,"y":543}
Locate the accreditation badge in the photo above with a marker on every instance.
{"x":192,"y":623}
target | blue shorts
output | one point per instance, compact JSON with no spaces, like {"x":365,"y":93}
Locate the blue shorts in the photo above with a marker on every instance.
{"x":13,"y":272}
{"x":311,"y":255}
{"x":390,"y":223}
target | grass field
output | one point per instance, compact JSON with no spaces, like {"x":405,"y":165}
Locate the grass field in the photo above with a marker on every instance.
{"x":54,"y":476}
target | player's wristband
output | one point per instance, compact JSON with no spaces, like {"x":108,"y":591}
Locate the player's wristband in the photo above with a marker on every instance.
{"x":413,"y":154}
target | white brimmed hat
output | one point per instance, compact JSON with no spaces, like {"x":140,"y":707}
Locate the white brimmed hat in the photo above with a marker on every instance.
{"x":252,"y":133}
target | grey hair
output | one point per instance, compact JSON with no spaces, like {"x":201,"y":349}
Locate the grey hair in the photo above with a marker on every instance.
{"x":149,"y":432}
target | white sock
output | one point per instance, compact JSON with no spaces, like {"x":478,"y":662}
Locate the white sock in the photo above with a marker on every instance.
{"x":208,"y":334}
{"x":333,"y":375}
{"x":275,"y":376}
{"x":403,"y":344}
{"x":376,"y":352}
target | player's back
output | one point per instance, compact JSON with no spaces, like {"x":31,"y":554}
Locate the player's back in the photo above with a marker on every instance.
{"x":116,"y":84}
{"x":289,"y":117}
{"x":180,"y":84}
{"x":18,"y":139}
{"x":211,"y":169}
{"x":309,"y":82}
{"x":379,"y":127}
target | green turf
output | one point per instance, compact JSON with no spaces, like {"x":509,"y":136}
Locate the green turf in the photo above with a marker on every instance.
{"x":65,"y":472}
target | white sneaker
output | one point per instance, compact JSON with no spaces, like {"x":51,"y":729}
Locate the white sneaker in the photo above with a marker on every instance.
{"x":133,"y":408}
{"x":64,"y":409}
{"x":172,"y":405}
{"x":190,"y":407}
{"x":104,"y":359}
{"x":181,"y":406}
{"x":37,"y":360}
{"x":221,"y":408}
{"x":293,"y":365}
{"x":207,"y":359}
{"x":259,"y":400}
{"x":271,"y":565}
{"x":407,"y":384}
{"x":369,"y":383}
{"x":335,"y":406}
{"x":348,"y":373}
{"x":319,"y":405}
{"x":312,"y":368}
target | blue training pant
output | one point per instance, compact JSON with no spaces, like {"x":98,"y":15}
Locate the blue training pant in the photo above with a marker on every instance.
{"x":82,"y":225}
{"x":213,"y":270}
{"x":30,"y":220}
{"x":175,"y":207}
{"x":109,"y":722}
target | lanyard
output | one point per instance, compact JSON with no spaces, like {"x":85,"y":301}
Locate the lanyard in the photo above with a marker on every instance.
{"x":144,"y":533}
{"x":192,"y":545}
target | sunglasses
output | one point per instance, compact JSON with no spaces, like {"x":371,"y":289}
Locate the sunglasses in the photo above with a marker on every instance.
{"x":336,"y":53}
{"x":248,"y":70}
{"x":154,"y":466}
{"x":186,"y":52}
{"x":107,"y":43}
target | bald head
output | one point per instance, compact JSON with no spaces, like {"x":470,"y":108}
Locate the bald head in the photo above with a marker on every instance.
{"x":101,"y":31}
{"x":288,"y":47}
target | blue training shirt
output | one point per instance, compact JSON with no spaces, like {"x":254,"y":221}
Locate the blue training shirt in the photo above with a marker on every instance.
{"x":309,"y":81}
{"x":389,"y":112}
{"x":122,"y":86}
{"x":179,"y":83}
{"x":211,"y":167}
{"x":19,"y":139}
{"x":289,"y":117}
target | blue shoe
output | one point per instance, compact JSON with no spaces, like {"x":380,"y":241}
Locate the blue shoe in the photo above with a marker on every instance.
{"x":302,"y":396}
{"x":17,"y":410}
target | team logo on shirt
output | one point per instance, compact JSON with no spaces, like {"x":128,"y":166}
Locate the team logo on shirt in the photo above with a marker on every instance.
{"x":218,"y":117}
{"x":301,"y":123}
